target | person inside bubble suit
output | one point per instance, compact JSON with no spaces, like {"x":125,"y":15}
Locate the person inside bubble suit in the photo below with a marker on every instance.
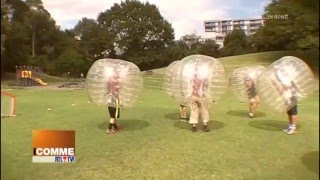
{"x":183,"y":103}
{"x":252,"y":95}
{"x":183,"y":112}
{"x":198,"y":86}
{"x":290,"y":93}
{"x":113,"y":97}
{"x":286,"y":86}
{"x":183,"y":107}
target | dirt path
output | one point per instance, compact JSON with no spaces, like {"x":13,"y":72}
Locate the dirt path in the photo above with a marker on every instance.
{"x":49,"y":86}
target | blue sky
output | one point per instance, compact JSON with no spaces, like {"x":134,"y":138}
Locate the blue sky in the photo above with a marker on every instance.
{"x":186,"y":16}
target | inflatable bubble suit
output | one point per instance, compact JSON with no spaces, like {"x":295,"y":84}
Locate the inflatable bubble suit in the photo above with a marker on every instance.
{"x":198,"y":77}
{"x":114,"y":80}
{"x":284,"y":83}
{"x":242,"y":76}
{"x":167,"y":85}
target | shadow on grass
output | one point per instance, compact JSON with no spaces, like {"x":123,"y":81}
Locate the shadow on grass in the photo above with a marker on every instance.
{"x":10,"y":117}
{"x":127,"y":125}
{"x":245,"y":113}
{"x":311,"y":160}
{"x":173,"y":116}
{"x":270,"y":125}
{"x":213,"y":125}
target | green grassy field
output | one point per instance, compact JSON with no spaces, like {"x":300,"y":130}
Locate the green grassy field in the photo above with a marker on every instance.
{"x":264,"y":59}
{"x":154,"y":144}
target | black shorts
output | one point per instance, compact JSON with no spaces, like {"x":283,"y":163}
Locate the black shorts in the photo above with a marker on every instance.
{"x":114,"y":112}
{"x":252,"y":93}
{"x":293,"y":111}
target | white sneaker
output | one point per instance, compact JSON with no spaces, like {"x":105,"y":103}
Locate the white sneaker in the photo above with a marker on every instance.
{"x":110,"y":131}
{"x":291,"y":131}
{"x":286,"y":130}
{"x":251,"y":115}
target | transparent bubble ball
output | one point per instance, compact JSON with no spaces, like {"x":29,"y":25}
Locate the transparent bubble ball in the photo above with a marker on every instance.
{"x":114,"y":82}
{"x":243,"y":79}
{"x":167,"y":78}
{"x":284,"y":83}
{"x":198,"y":78}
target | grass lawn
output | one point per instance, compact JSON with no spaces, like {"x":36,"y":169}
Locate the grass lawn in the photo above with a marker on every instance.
{"x":155,"y":145}
{"x":264,"y":59}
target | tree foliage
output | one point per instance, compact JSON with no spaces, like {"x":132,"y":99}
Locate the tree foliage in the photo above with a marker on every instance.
{"x":296,"y":28}
{"x":137,"y":30}
{"x":209,"y":48}
{"x":235,"y":43}
{"x":70,"y":61}
{"x":31,"y":35}
{"x":92,"y":39}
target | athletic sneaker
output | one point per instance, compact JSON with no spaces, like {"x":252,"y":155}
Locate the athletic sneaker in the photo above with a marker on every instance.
{"x":118,"y":128}
{"x":205,"y":128}
{"x":184,"y":119}
{"x":286,"y":130}
{"x":194,"y":129}
{"x":251,"y":115}
{"x":291,"y":131}
{"x":110,"y":131}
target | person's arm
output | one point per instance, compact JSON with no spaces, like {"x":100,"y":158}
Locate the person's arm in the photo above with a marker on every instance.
{"x":284,"y":91}
{"x":191,"y":87}
{"x":295,"y":87}
{"x":184,"y":92}
{"x":247,"y":84}
{"x":108,"y":89}
{"x":205,"y":86}
{"x":277,"y":86}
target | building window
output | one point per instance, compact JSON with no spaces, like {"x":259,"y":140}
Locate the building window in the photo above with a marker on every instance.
{"x":219,"y":38}
{"x":209,"y":27}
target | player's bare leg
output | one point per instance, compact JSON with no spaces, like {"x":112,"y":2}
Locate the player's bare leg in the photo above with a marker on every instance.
{"x":110,"y":127}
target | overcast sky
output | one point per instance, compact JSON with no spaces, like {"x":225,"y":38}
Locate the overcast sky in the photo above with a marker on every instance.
{"x":186,"y":16}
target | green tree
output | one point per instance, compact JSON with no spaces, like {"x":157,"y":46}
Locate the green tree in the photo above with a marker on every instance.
{"x":297,"y":27}
{"x":4,"y":32}
{"x":5,"y":18}
{"x":209,"y":48}
{"x":187,"y":45}
{"x":31,"y":34}
{"x":235,"y":43}
{"x":92,"y":40}
{"x":42,"y":29}
{"x":14,"y":29}
{"x":70,"y":61}
{"x":192,"y":41}
{"x":177,"y":51}
{"x":137,"y":30}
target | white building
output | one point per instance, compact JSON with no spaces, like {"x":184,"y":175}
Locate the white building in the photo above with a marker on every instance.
{"x":218,"y":29}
